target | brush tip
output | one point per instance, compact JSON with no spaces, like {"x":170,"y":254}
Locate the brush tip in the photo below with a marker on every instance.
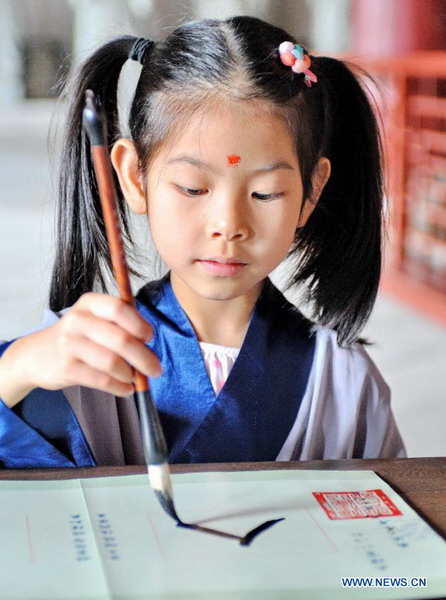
{"x":167,"y":503}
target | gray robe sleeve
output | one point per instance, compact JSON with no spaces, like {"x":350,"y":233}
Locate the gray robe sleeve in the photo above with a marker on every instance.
{"x":345,"y":412}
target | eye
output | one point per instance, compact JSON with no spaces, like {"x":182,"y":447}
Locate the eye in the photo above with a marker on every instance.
{"x":192,"y":192}
{"x":266,"y":197}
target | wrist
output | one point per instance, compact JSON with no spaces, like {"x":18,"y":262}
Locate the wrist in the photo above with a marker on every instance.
{"x":15,"y":383}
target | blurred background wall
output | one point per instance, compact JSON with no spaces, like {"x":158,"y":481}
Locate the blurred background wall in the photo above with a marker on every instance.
{"x":40,"y":40}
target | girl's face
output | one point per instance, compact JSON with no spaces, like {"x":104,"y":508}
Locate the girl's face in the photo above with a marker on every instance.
{"x":224,"y":201}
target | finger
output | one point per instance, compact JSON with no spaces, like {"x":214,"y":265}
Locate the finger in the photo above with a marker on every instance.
{"x":117,"y":311}
{"x":109,"y":336}
{"x":83,"y":374}
{"x":101,"y":359}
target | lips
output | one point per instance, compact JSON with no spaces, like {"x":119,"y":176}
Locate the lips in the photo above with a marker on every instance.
{"x":225,"y":261}
{"x":222,"y":267}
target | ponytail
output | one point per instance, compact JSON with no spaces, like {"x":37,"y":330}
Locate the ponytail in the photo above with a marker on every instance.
{"x":339,"y":249}
{"x":82,"y":257}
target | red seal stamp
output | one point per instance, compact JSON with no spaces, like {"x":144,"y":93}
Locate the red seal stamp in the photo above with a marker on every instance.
{"x":369,"y":504}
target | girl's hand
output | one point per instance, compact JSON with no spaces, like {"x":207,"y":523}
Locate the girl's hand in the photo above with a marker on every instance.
{"x":95,"y":344}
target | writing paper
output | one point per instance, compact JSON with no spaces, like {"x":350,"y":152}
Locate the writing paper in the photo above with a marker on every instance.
{"x":108,"y":538}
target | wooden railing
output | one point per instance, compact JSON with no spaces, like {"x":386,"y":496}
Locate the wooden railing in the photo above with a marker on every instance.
{"x":412,"y":99}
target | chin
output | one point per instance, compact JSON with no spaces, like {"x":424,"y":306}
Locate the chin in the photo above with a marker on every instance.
{"x":219,"y":289}
{"x":219,"y":294}
{"x":223,"y":289}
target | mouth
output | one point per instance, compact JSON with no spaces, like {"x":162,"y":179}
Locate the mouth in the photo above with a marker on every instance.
{"x":222,"y":267}
{"x":225,"y":261}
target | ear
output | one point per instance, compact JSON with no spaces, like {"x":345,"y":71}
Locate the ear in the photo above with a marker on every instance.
{"x":320,"y":176}
{"x":125,"y":162}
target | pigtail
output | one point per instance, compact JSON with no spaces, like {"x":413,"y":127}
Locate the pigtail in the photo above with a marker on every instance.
{"x":82,"y":258}
{"x":339,"y":248}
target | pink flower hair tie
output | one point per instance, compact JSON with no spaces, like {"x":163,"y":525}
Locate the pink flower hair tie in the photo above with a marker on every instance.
{"x":293,"y":55}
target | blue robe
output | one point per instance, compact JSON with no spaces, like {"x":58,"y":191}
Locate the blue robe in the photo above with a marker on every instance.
{"x":248,"y":421}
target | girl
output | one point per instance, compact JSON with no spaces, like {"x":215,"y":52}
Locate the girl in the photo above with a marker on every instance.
{"x":244,"y":150}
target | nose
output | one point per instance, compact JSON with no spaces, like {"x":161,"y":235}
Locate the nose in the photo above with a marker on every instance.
{"x":228,"y":220}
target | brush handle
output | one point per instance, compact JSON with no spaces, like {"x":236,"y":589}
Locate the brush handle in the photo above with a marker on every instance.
{"x":103,"y":172}
{"x":104,"y":177}
{"x":94,"y":126}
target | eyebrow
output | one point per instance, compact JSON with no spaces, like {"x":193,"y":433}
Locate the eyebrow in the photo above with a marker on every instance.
{"x":196,"y":162}
{"x":275,"y":167}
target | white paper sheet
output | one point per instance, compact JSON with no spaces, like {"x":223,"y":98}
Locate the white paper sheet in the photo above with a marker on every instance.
{"x":105,"y":538}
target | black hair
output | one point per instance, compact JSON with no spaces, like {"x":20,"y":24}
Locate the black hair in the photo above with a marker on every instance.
{"x":337,"y":254}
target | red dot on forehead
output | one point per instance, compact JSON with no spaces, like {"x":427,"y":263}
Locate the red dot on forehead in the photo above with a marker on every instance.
{"x":234,"y":159}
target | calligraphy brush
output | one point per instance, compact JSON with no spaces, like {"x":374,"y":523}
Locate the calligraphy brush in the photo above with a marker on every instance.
{"x":154,"y":443}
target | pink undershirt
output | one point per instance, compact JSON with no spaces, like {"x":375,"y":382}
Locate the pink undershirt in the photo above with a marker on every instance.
{"x":219,"y":361}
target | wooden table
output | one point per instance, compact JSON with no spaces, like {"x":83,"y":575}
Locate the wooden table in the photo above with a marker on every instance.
{"x":420,"y":481}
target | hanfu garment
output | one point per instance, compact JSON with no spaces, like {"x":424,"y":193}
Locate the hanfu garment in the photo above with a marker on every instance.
{"x":291,"y":393}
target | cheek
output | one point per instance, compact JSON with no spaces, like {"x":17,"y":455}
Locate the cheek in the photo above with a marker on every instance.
{"x":164,"y":230}
{"x":284,"y":239}
{"x":282,"y":223}
{"x":280,"y":233}
{"x":170,"y":228}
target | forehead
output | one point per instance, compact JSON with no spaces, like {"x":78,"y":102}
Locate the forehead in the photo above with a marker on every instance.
{"x":250,"y":131}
